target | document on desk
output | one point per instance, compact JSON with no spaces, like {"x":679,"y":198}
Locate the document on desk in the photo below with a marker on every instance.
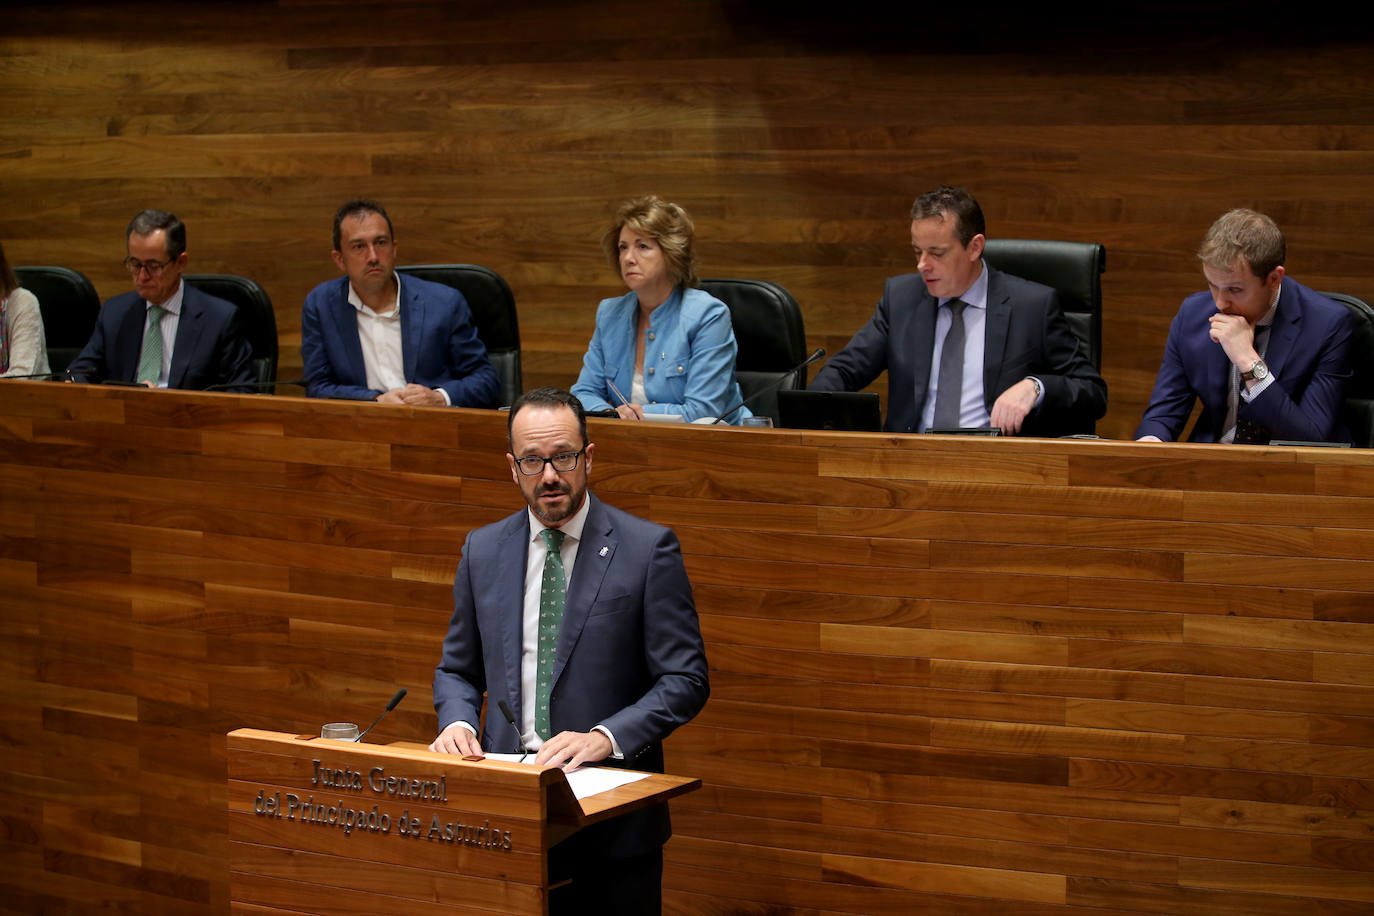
{"x":586,"y":781}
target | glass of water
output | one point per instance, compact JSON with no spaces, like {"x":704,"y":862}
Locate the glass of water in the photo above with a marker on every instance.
{"x":340,"y":731}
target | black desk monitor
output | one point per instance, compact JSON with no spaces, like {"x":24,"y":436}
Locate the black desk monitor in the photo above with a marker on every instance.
{"x":857,"y":411}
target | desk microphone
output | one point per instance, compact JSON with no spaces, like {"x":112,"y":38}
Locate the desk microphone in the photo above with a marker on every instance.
{"x":42,"y":376}
{"x":395,"y":701}
{"x":816,"y":354}
{"x":505,"y":711}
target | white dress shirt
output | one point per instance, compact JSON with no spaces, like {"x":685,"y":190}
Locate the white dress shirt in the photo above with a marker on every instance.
{"x":379,"y":334}
{"x":380,"y":337}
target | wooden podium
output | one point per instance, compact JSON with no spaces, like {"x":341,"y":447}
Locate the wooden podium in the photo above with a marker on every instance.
{"x":333,"y":827}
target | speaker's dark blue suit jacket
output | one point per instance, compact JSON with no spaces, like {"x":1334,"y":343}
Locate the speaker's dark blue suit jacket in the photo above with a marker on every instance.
{"x":630,"y":655}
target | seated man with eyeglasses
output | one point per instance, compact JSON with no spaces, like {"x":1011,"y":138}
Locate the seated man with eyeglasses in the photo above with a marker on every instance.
{"x":165,"y":334}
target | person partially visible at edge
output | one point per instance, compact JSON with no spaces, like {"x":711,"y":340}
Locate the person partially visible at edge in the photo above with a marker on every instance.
{"x":23,"y":349}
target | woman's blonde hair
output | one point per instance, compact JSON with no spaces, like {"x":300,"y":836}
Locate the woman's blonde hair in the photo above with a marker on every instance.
{"x":664,"y":222}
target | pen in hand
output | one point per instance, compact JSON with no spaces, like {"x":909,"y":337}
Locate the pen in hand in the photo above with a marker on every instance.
{"x":626,"y":410}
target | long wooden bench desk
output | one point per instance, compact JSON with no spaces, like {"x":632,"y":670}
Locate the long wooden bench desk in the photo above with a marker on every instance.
{"x":948,"y":675}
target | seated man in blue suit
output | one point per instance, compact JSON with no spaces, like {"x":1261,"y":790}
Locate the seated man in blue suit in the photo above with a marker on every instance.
{"x":1267,"y":356}
{"x":580,"y":618}
{"x":165,"y":334}
{"x":1016,"y":365}
{"x":371,"y":336}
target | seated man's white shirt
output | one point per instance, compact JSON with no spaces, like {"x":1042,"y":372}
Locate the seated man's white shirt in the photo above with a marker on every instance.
{"x":380,"y":338}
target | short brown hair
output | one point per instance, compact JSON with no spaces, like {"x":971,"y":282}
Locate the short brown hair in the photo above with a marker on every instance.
{"x":550,"y":398}
{"x":358,"y":207}
{"x":1244,"y":235}
{"x":664,"y":222}
{"x":959,"y":203}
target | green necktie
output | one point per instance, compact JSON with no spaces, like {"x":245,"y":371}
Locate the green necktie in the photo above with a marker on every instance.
{"x":553,"y":591}
{"x":150,"y":359}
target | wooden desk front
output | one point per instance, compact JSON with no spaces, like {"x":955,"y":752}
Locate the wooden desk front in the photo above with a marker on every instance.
{"x":948,"y":675}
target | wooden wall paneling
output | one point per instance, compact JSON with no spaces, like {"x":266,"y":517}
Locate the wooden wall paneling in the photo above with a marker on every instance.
{"x":935,"y":686}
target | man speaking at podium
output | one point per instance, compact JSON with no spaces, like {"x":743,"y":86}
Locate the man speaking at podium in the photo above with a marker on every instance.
{"x":580,"y":618}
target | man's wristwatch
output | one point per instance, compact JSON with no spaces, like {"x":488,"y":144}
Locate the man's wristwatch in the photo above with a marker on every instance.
{"x":1259,"y":371}
{"x":1038,"y":387}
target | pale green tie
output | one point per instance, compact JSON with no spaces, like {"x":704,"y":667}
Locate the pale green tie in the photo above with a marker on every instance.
{"x":553,"y":591}
{"x":150,"y":359}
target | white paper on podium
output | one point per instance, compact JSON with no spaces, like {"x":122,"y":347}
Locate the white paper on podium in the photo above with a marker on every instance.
{"x":588,"y":780}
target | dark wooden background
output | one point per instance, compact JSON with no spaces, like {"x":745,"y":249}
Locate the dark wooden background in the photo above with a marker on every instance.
{"x":501,"y":134}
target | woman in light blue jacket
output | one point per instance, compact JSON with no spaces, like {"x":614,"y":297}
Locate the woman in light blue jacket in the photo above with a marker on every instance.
{"x":667,"y":347}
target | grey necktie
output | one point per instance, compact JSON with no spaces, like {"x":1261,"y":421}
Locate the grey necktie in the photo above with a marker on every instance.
{"x":950,"y":382}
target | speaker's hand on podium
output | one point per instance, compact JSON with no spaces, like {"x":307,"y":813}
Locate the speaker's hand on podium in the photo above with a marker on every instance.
{"x":457,"y":739}
{"x":571,"y":750}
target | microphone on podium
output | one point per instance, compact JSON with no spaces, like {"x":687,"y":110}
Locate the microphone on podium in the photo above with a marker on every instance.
{"x":395,"y":701}
{"x":815,"y":355}
{"x":510,"y":717}
{"x":65,"y":375}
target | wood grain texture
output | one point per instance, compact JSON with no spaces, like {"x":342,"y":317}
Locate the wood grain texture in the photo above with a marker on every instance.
{"x":1109,"y":691}
{"x":796,"y":138}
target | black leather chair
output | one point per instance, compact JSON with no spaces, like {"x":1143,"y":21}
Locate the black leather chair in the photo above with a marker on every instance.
{"x":493,"y":311}
{"x":769,"y":334}
{"x":256,"y":318}
{"x":69,"y":306}
{"x":1359,"y":392}
{"x":1073,"y":268}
